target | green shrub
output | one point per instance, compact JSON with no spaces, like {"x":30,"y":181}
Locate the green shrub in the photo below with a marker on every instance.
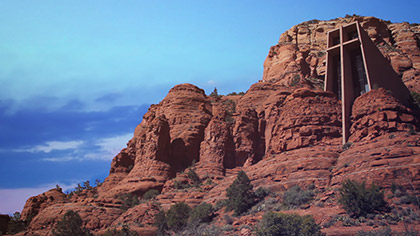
{"x":261,"y":193}
{"x":150,"y":194}
{"x":125,"y":231}
{"x":274,"y":224}
{"x":416,"y":97}
{"x":347,"y":145}
{"x":193,"y":176}
{"x":161,"y":223}
{"x":202,"y":213}
{"x":180,"y":217}
{"x":295,"y":197}
{"x":180,"y":185}
{"x":177,"y":216}
{"x":201,"y":230}
{"x":409,"y":199}
{"x":16,"y":225}
{"x":208,"y":181}
{"x":387,"y":232}
{"x":128,"y":201}
{"x":70,"y":225}
{"x":215,"y":94}
{"x":358,"y":200}
{"x":240,"y":194}
{"x":295,"y":80}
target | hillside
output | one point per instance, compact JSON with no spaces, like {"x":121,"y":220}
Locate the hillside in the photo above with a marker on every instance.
{"x":284,"y":131}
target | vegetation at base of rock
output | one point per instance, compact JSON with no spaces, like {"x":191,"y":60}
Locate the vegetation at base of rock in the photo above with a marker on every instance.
{"x":16,"y":225}
{"x":358,"y":200}
{"x":288,"y":225}
{"x":150,"y":194}
{"x":235,"y":93}
{"x":347,"y":145}
{"x":161,"y":223}
{"x":201,"y":230}
{"x":295,"y":80}
{"x":261,"y":193}
{"x":416,"y":97}
{"x":177,"y":216}
{"x":80,"y":187}
{"x":180,"y":217}
{"x":215,"y":94}
{"x":70,"y":225}
{"x":295,"y":197}
{"x":129,"y":200}
{"x":181,"y":185}
{"x":387,"y":232}
{"x":125,"y":231}
{"x":193,"y":177}
{"x":240,"y":194}
{"x":202,"y":213}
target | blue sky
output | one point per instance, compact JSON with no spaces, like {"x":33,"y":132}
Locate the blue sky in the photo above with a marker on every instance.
{"x":77,"y":76}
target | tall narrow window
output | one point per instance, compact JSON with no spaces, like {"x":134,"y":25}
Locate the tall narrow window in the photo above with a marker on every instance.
{"x":336,"y":41}
{"x":352,"y":35}
{"x":360,"y":84}
{"x":337,"y":76}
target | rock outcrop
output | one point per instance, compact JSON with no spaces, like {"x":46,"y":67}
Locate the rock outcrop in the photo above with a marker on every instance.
{"x":283,"y":131}
{"x":36,"y":204}
{"x":299,"y":56}
{"x":378,"y":113}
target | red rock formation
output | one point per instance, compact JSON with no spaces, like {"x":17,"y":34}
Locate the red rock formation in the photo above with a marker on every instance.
{"x":304,"y":118}
{"x":390,"y":158}
{"x":284,"y":131}
{"x":299,"y":54}
{"x":36,"y":204}
{"x":377,"y":113}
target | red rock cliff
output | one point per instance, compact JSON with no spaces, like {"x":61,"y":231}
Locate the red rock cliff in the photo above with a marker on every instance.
{"x":283,"y":131}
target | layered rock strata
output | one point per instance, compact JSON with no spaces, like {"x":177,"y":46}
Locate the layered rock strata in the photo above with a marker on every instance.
{"x":283,"y":131}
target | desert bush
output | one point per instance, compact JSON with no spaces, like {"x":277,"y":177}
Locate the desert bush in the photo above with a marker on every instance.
{"x":215,"y":94}
{"x":161,"y":223}
{"x":387,"y":232}
{"x":150,"y":194}
{"x":181,"y":185}
{"x":295,"y":80}
{"x":177,"y":216}
{"x":295,"y":197}
{"x":202,"y":213}
{"x":347,"y":145}
{"x":193,"y":177}
{"x":201,"y":230}
{"x":288,"y":225}
{"x":358,"y":200}
{"x":128,"y":201}
{"x":268,"y":204}
{"x":240,"y":194}
{"x":228,"y":220}
{"x":261,"y":193}
{"x":16,"y":225}
{"x":416,"y":97}
{"x":125,"y":231}
{"x":70,"y":225}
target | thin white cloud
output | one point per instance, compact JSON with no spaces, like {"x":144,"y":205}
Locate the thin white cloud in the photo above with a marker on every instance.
{"x":13,"y":200}
{"x":60,"y":159}
{"x":52,"y":145}
{"x":114,"y":144}
{"x":109,"y":147}
{"x":211,"y":82}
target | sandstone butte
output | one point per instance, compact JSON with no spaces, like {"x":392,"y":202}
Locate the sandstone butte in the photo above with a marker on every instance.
{"x":283,"y":131}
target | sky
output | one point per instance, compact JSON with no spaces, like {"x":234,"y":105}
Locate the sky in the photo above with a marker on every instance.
{"x":77,"y":76}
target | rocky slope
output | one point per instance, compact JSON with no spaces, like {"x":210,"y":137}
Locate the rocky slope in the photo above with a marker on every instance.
{"x":299,"y":55}
{"x":283,"y":131}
